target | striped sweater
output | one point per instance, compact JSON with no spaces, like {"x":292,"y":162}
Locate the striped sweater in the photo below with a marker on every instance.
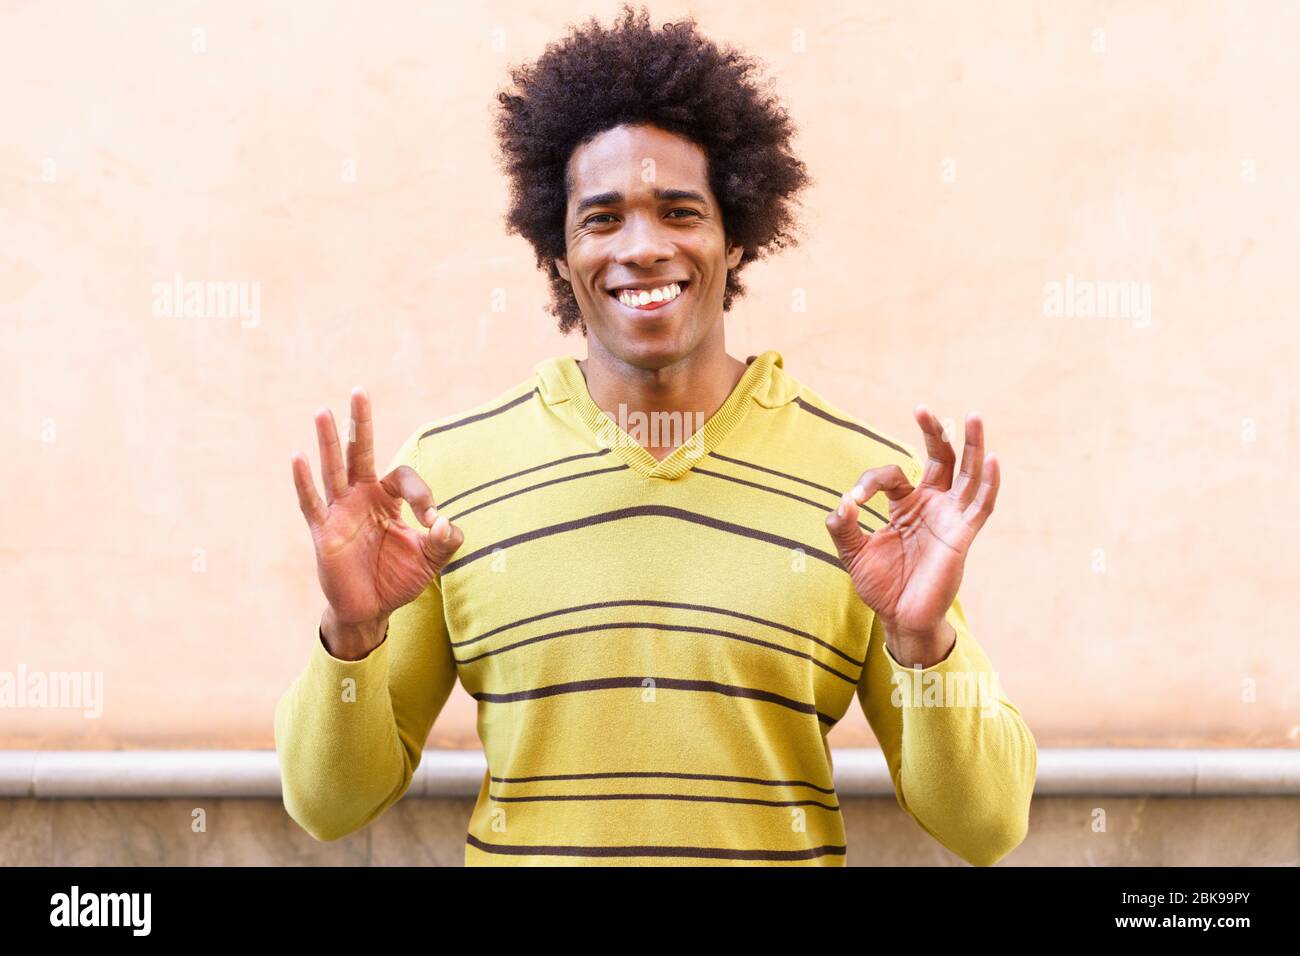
{"x":657,"y":648}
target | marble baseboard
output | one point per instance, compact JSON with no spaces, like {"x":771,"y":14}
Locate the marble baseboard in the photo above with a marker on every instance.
{"x":1139,"y":831}
{"x":458,"y":774}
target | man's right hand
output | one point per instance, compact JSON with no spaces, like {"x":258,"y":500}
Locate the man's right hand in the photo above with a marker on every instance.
{"x":368,"y":559}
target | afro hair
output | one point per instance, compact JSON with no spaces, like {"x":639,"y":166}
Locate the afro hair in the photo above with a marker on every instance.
{"x":596,"y":79}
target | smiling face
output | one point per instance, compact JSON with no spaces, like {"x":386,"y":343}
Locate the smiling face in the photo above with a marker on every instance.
{"x":641,"y":216}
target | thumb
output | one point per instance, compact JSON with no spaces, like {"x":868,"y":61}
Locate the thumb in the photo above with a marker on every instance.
{"x":842,"y":524}
{"x":440,"y":542}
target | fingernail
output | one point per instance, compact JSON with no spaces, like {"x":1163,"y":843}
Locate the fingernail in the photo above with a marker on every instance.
{"x":858,"y":492}
{"x":840,"y":510}
{"x":430,"y":516}
{"x":446,"y":532}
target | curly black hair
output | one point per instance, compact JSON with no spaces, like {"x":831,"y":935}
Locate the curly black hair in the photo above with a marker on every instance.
{"x":596,"y":79}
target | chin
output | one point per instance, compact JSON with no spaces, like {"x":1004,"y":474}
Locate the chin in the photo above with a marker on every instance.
{"x":644,"y":349}
{"x":647,"y":345}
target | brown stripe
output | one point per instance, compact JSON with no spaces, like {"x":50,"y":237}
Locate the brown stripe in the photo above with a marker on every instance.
{"x":526,"y":471}
{"x":665,"y":773}
{"x":707,"y":852}
{"x":789,"y":478}
{"x":638,"y":511}
{"x":668,"y":796}
{"x":468,"y":419}
{"x":779,"y":474}
{"x":540,"y":484}
{"x":651,"y":625}
{"x":851,"y":426}
{"x":652,"y":603}
{"x":669,"y":683}
{"x":777,"y":491}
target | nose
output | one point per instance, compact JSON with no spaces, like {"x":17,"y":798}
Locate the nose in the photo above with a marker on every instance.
{"x":643,"y":241}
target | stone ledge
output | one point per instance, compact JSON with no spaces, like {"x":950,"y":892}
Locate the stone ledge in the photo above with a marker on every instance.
{"x":46,"y":774}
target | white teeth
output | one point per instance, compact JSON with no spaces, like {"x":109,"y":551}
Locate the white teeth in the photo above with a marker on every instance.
{"x":635,"y":297}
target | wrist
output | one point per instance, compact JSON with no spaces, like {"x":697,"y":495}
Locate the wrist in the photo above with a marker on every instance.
{"x":921,"y":649}
{"x":351,"y":641}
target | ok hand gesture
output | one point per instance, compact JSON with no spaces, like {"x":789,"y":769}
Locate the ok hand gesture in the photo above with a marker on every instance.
{"x":909,"y":570}
{"x":368,"y":559}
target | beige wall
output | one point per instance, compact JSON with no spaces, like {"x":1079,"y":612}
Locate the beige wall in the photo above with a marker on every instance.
{"x":965,"y":156}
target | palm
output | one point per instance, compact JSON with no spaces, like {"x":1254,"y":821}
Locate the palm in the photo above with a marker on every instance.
{"x":369,"y":560}
{"x":908,"y":571}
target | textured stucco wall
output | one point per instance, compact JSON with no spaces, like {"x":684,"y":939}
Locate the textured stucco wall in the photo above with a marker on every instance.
{"x":1135,"y":584}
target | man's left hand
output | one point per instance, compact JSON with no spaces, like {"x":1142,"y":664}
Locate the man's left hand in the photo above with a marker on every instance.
{"x":908,"y":571}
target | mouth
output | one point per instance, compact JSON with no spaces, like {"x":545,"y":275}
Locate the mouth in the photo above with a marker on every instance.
{"x":661,"y":299}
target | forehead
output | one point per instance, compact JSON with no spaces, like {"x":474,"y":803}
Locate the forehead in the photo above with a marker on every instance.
{"x":617,"y":160}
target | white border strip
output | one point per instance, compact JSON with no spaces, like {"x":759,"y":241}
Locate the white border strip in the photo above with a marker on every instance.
{"x":161,"y":774}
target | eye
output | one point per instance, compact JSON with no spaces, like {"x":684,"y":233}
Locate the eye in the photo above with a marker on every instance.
{"x":591,"y":219}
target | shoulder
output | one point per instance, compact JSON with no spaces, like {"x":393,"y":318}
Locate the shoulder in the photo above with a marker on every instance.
{"x":845,"y":435}
{"x":491,"y":422}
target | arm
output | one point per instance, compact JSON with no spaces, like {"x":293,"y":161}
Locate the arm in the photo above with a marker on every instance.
{"x":960,"y":756}
{"x":350,"y":733}
{"x":962,"y":761}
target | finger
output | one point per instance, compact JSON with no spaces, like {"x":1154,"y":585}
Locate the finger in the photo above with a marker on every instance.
{"x":441,"y":541}
{"x":862,"y":502}
{"x":891,"y":479}
{"x":313,"y":509}
{"x":361,"y":443}
{"x":938,"y":470}
{"x":979,"y":510}
{"x":843,"y":521}
{"x":405,"y":482}
{"x":972,"y":460}
{"x":331,"y":460}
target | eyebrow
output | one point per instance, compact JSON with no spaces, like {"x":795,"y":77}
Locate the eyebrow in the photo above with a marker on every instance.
{"x":613,"y":198}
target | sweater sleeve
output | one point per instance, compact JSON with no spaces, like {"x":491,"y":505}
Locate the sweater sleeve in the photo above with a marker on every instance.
{"x":350,"y":734}
{"x":961,"y":758}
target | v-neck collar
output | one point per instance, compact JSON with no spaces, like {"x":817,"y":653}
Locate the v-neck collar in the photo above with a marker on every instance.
{"x":561,"y":380}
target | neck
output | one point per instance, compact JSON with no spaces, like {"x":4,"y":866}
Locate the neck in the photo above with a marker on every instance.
{"x":694,"y":388}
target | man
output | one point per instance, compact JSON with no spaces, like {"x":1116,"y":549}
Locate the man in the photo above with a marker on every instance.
{"x":660,"y":631}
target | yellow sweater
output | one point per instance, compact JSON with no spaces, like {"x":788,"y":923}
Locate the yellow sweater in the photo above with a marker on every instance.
{"x":658,"y":648}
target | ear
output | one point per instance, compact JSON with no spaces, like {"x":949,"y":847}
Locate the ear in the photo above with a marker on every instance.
{"x":734,"y":254}
{"x":562,"y":267}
